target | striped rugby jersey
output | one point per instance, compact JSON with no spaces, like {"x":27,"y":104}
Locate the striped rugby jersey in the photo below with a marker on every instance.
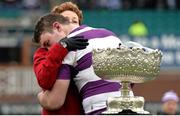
{"x":93,"y":89}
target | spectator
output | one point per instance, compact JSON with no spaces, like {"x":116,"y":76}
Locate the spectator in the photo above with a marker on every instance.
{"x":31,"y":4}
{"x":86,"y":4}
{"x":170,"y":104}
{"x":140,"y":4}
{"x":11,"y":3}
{"x":177,"y":4}
{"x":114,"y":4}
{"x":161,"y":4}
{"x":171,"y":4}
{"x":127,"y":4}
{"x":109,"y":4}
{"x":102,"y":3}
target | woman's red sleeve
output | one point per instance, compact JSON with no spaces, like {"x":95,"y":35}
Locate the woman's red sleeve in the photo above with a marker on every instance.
{"x":47,"y":64}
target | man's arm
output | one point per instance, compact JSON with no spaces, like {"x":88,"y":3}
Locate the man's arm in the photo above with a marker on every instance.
{"x":47,"y":63}
{"x":54,"y":99}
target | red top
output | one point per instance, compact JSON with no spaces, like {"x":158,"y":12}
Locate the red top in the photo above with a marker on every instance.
{"x":46,"y":67}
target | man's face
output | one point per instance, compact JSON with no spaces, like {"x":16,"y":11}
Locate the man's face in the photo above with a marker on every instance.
{"x":170,"y":107}
{"x":47,"y":39}
{"x":72,"y":16}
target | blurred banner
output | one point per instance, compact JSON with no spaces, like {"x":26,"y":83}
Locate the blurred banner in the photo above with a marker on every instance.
{"x":168,"y":44}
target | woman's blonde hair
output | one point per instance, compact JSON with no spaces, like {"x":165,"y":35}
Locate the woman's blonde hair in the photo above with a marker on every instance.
{"x":68,"y":6}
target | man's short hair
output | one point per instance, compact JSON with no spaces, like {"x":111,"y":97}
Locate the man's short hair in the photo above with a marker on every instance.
{"x":45,"y":24}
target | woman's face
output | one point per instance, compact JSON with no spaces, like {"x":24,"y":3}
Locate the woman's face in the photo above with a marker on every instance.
{"x":72,"y":16}
{"x":170,"y":107}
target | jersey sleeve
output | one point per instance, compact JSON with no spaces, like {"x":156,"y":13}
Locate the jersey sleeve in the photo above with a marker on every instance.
{"x":66,"y":70}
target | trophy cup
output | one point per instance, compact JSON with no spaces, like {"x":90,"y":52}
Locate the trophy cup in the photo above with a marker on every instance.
{"x":127,"y":66}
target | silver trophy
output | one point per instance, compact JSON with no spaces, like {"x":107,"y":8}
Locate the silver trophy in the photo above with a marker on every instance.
{"x":126,"y":65}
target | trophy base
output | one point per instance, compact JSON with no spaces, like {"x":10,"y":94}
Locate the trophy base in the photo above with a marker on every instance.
{"x":125,"y":105}
{"x":125,"y":112}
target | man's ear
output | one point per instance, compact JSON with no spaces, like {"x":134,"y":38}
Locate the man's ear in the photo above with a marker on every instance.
{"x":57,"y":26}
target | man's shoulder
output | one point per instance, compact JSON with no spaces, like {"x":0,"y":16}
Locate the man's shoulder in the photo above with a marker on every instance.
{"x":91,"y":33}
{"x":101,"y":30}
{"x":85,"y":30}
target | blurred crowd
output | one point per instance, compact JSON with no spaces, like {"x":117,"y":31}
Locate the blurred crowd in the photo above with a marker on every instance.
{"x":25,"y":4}
{"x":129,"y":4}
{"x":96,"y":4}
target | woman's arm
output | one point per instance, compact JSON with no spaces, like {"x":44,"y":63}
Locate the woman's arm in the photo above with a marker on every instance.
{"x":47,"y":63}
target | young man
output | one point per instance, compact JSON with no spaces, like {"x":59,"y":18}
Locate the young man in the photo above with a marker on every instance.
{"x":72,"y":104}
{"x":92,"y":88}
{"x":47,"y":60}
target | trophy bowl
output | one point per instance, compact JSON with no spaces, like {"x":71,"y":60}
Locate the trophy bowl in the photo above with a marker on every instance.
{"x":135,"y":65}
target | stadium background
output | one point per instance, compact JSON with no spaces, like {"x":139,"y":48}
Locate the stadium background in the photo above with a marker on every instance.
{"x":161,"y":25}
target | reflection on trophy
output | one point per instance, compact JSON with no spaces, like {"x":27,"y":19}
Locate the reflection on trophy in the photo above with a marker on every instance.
{"x":127,"y":66}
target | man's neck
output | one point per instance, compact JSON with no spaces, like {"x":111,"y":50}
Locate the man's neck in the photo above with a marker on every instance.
{"x":71,"y":27}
